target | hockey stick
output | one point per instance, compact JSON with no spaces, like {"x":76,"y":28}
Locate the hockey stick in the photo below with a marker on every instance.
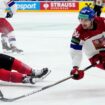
{"x":2,"y":98}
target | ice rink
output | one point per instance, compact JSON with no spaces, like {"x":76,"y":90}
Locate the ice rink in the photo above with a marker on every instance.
{"x":45,"y":39}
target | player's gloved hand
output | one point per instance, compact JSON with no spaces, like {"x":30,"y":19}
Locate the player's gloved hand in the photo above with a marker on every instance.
{"x":96,"y":58}
{"x":77,"y":74}
{"x":9,"y":14}
{"x":102,"y":57}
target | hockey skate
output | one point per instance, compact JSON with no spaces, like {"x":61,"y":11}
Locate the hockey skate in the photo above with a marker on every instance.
{"x":40,"y":74}
{"x":6,"y":48}
{"x":29,"y":79}
{"x":9,"y":48}
{"x":14,"y":49}
{"x":36,"y":76}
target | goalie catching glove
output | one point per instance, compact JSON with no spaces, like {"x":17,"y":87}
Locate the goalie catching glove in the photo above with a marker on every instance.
{"x":76,"y":73}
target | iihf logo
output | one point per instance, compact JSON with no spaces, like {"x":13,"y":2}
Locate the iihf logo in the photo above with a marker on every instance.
{"x":46,"y":5}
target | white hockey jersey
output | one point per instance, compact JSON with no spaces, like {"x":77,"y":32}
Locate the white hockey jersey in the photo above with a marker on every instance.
{"x":90,"y":41}
{"x":4,"y":4}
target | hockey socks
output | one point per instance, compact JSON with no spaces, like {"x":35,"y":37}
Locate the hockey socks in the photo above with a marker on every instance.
{"x":21,"y":67}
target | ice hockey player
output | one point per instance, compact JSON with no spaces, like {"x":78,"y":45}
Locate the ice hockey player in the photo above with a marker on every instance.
{"x":14,"y":70}
{"x":89,"y":36}
{"x":98,"y":5}
{"x":7,"y":31}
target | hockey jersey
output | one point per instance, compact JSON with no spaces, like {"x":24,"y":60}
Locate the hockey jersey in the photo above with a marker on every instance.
{"x":4,"y":4}
{"x":91,"y":41}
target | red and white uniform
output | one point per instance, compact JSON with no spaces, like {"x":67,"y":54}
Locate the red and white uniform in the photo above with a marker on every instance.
{"x":90,"y":41}
{"x":5,"y":26}
{"x":7,"y":64}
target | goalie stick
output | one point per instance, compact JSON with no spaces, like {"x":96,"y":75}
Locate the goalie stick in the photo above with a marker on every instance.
{"x":2,"y":98}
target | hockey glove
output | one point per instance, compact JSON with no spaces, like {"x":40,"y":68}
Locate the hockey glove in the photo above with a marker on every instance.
{"x":77,"y":74}
{"x":9,"y":14}
{"x":98,"y":58}
{"x":102,"y":54}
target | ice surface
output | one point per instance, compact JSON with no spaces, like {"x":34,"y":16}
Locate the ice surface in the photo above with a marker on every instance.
{"x":45,"y":38}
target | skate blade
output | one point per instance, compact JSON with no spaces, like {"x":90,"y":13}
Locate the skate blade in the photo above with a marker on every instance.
{"x":39,"y":79}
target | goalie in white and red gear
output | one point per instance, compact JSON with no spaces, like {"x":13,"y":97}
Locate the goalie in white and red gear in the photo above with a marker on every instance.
{"x":7,"y":38}
{"x":89,"y":37}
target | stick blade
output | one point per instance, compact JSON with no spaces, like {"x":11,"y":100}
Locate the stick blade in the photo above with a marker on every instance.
{"x":6,"y":99}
